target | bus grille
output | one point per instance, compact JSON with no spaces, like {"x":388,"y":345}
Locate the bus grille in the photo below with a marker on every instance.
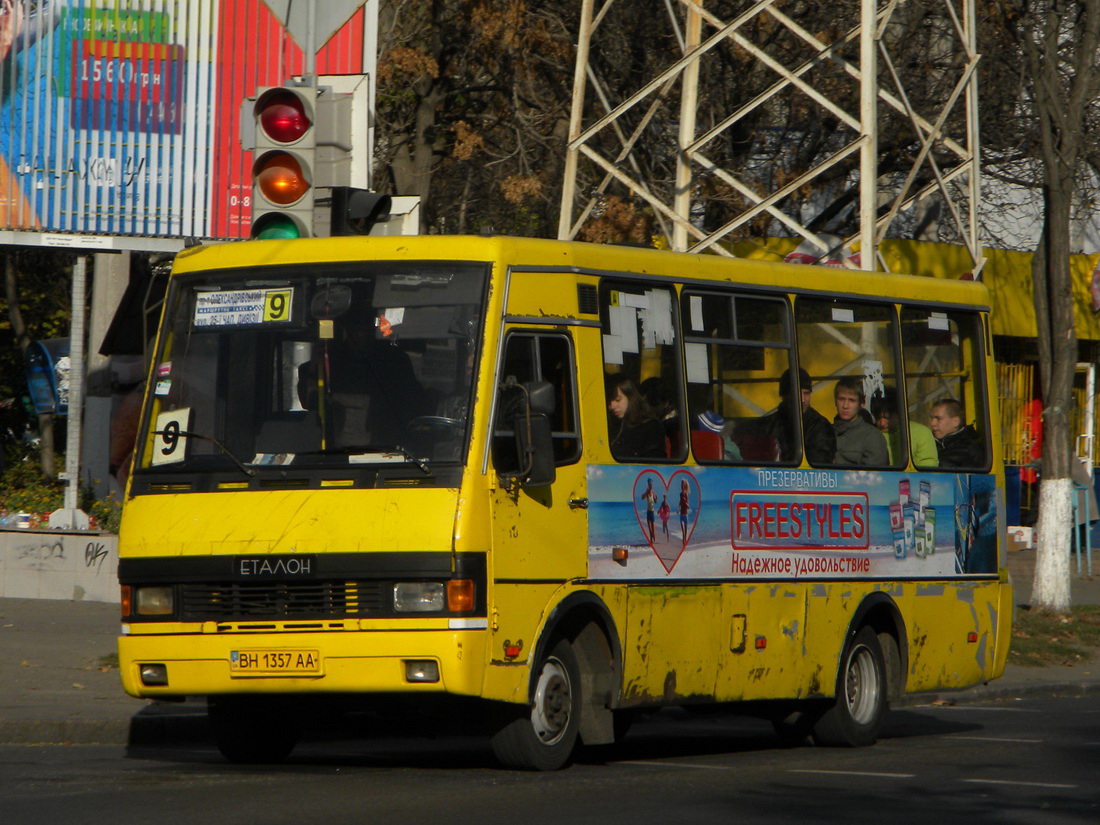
{"x":282,"y":600}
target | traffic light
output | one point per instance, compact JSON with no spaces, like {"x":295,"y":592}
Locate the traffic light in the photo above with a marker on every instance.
{"x":311,"y":171}
{"x":355,"y":211}
{"x":285,"y":155}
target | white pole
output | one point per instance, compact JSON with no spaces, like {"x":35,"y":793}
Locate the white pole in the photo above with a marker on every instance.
{"x":868,"y":102}
{"x":576,"y":112}
{"x":70,"y":517}
{"x":973,"y":140}
{"x":689,"y":105}
{"x":311,"y":39}
{"x":370,"y":68}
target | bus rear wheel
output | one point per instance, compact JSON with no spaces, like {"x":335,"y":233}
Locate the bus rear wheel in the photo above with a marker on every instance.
{"x":855,"y":718}
{"x":253,"y":730}
{"x":542,"y":736}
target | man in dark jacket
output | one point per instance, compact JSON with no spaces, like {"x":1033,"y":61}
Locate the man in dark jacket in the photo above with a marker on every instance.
{"x":817,"y":433}
{"x":959,"y":445}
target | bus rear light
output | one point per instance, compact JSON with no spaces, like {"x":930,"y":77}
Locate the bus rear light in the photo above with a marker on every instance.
{"x":460,"y":595}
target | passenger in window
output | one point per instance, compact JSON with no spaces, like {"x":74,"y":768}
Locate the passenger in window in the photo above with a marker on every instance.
{"x":857,"y":442}
{"x":710,"y":421}
{"x":634,"y":430}
{"x":921,"y":441}
{"x":818,"y":437}
{"x":959,"y":444}
{"x":663,"y":403}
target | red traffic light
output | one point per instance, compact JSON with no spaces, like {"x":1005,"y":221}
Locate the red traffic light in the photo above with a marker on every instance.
{"x":282,"y":115}
{"x":280,"y":178}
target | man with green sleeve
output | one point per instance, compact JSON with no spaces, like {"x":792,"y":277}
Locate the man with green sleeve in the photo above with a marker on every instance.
{"x":921,"y":441}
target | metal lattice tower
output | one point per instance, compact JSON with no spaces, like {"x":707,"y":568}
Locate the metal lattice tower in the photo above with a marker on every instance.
{"x":660,"y":133}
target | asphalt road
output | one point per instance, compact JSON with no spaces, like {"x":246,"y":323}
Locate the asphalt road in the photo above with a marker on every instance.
{"x":1034,"y":761}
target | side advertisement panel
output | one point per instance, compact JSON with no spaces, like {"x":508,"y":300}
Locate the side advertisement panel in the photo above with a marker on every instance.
{"x":122,"y":116}
{"x":747,"y":523}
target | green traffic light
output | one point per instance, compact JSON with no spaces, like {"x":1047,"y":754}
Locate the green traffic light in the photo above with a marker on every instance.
{"x":275,"y":228}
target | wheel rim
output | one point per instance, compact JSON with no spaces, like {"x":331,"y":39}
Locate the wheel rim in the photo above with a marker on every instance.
{"x":553,"y":702}
{"x":861,"y":685}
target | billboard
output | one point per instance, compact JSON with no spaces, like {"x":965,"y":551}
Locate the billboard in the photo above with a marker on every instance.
{"x":121,"y":117}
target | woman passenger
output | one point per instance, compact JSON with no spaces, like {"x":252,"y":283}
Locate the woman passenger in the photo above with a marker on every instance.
{"x":634,"y":430}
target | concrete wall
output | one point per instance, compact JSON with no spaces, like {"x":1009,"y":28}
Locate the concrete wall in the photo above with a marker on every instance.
{"x":51,"y":564}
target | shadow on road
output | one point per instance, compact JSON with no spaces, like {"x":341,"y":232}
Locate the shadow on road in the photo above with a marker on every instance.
{"x":670,"y":733}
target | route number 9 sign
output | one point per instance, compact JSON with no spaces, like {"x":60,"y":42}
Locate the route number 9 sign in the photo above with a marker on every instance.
{"x":169,"y":440}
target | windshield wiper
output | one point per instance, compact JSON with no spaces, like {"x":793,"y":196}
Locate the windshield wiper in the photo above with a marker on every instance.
{"x":190,"y":434}
{"x":354,"y":449}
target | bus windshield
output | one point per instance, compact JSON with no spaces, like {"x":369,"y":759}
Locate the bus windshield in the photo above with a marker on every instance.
{"x":349,"y":364}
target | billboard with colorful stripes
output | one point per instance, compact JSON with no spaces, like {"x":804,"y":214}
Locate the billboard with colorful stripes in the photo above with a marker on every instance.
{"x":121,"y":117}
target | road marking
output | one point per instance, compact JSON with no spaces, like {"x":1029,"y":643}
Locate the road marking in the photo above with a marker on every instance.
{"x":1015,"y":782}
{"x":996,"y":739}
{"x":854,"y":773}
{"x":978,"y":707}
{"x":678,"y":765}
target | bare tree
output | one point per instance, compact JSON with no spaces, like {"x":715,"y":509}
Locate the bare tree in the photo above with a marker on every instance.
{"x":1058,"y":40}
{"x":472,"y":106}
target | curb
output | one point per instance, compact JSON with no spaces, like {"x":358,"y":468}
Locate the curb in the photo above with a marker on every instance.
{"x":993,"y":693}
{"x":64,"y":731}
{"x":154,"y":725}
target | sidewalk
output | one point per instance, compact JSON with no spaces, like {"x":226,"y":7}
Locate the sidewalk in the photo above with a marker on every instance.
{"x":59,"y":682}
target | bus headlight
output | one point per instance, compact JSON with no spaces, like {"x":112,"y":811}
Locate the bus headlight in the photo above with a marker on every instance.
{"x":419,"y":597}
{"x":153,"y":601}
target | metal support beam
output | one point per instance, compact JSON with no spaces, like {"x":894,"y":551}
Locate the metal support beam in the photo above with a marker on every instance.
{"x":814,"y":72}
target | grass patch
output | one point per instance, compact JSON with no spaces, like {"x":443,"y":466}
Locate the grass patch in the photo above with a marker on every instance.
{"x":108,"y":662}
{"x":1040,"y":639}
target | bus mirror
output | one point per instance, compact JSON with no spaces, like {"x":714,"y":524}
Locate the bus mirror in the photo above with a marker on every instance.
{"x":541,"y":395}
{"x":535,"y":447}
{"x":527,"y":407}
{"x":330,"y":302}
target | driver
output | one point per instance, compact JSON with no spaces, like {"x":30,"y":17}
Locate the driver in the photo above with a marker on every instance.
{"x":373,"y":388}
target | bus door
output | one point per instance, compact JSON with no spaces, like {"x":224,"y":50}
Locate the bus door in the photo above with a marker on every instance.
{"x":538,"y":531}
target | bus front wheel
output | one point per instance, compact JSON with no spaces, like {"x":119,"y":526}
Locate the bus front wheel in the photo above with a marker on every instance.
{"x":855,"y":718}
{"x":542,"y":737}
{"x":253,"y":730}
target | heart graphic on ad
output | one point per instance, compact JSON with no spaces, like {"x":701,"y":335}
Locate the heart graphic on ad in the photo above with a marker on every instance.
{"x":683,"y":497}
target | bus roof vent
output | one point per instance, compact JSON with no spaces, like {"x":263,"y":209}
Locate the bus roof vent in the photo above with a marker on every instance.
{"x":587,"y":302}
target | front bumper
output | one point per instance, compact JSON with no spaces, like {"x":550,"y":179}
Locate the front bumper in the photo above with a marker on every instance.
{"x":357,"y":661}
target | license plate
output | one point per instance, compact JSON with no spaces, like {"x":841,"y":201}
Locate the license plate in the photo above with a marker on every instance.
{"x":267,"y":662}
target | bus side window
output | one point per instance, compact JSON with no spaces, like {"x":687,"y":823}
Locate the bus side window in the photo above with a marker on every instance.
{"x":944,"y":356}
{"x":537,"y":357}
{"x":851,"y":347}
{"x":645,"y":420}
{"x":736,"y":348}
